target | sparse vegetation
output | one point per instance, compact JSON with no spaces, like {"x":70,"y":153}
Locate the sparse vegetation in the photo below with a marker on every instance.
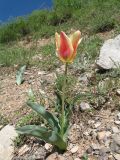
{"x":90,"y":17}
{"x":20,"y":44}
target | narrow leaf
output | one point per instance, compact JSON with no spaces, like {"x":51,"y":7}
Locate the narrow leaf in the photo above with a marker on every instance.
{"x":50,"y":118}
{"x":31,"y":95}
{"x":43,"y":133}
{"x":19,"y":75}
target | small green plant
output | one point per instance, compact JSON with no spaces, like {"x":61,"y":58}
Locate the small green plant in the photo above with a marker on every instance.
{"x":57,"y":126}
{"x":3,"y":120}
{"x":19,"y":141}
{"x":20,"y":74}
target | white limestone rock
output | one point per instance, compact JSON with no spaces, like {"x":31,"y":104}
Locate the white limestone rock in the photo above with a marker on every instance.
{"x":7,"y":136}
{"x":109,"y":54}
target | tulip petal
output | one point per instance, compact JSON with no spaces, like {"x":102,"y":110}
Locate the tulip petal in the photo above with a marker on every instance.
{"x":66,"y":48}
{"x":57,"y":41}
{"x":75,"y":40}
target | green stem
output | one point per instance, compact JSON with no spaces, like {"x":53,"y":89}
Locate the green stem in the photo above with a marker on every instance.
{"x":63,"y":99}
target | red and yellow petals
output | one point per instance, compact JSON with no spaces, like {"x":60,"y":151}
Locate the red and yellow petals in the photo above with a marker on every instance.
{"x":66,"y":47}
{"x":57,"y":41}
{"x":75,"y":39}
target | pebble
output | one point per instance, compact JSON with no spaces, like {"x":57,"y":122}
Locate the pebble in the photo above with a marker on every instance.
{"x":117,"y":156}
{"x":117,"y":122}
{"x":95,"y":146}
{"x":101,"y":136}
{"x":108,"y":133}
{"x":115,"y":130}
{"x":118,"y":116}
{"x":89,"y":150}
{"x":83,"y":79}
{"x":52,"y":156}
{"x":84,"y":106}
{"x":110,"y":157}
{"x":40,"y":153}
{"x":96,"y":125}
{"x":114,"y":147}
{"x":118,"y":92}
{"x":74,"y":149}
{"x":48,"y":146}
{"x":23,"y":150}
{"x":41,"y":73}
{"x":86,"y":133}
{"x":60,"y":157}
{"x":96,"y":152}
{"x":104,"y":150}
{"x":116,"y":139}
{"x":91,"y":121}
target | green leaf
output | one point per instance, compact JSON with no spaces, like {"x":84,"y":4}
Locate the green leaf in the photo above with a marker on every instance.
{"x":31,"y":95}
{"x":50,"y":118}
{"x":56,"y":139}
{"x":43,"y":133}
{"x":34,"y":130}
{"x":19,"y":75}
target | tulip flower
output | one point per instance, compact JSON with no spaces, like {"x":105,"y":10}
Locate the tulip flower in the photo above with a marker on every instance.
{"x":66,"y":47}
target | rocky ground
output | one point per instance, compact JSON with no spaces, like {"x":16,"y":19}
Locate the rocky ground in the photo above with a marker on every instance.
{"x":95,"y":122}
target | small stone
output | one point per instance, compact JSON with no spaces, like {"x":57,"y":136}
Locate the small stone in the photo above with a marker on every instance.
{"x":89,"y":150}
{"x":83,"y":78}
{"x":41,"y":73}
{"x":104,"y":150}
{"x":52,"y":156}
{"x":96,"y":152}
{"x":30,"y":81}
{"x":105,"y":157}
{"x":110,"y":157}
{"x":86,"y":133}
{"x":40,"y":153}
{"x":77,"y":159}
{"x":93,"y":134}
{"x":115,"y":130}
{"x":107,"y":143}
{"x":116,"y":139}
{"x":23,"y":150}
{"x":117,"y":156}
{"x":118,"y":116}
{"x":101,"y":136}
{"x":117,"y":122}
{"x":95,"y":146}
{"x":118,"y":92}
{"x":74,"y":149}
{"x":70,"y":146}
{"x":91,"y":121}
{"x":84,"y":106}
{"x":96,"y":125}
{"x":114,"y":147}
{"x":108,"y":133}
{"x":60,"y":157}
{"x":48,"y":146}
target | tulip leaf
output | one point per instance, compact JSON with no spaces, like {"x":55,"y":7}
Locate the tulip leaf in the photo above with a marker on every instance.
{"x":43,"y":133}
{"x":19,"y":75}
{"x":50,"y":118}
{"x":31,"y":95}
